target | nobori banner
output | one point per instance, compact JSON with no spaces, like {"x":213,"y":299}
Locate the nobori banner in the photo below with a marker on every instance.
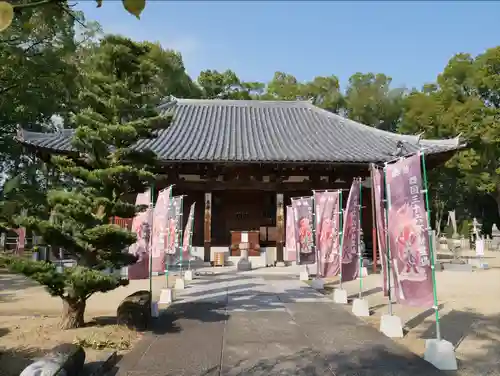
{"x":408,"y":233}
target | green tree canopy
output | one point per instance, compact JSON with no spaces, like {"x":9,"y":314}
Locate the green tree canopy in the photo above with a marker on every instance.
{"x":118,"y":108}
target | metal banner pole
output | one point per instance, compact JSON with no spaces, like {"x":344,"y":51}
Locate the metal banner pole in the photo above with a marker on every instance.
{"x":167,"y":255}
{"x":431,"y":247}
{"x":341,"y":234}
{"x":388,"y":244}
{"x":190,"y":247}
{"x":360,"y":251}
{"x":181,"y":232}
{"x":314,"y":228}
{"x":152,"y":206}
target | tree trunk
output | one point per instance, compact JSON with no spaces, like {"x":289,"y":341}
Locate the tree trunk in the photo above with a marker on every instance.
{"x":73,"y":313}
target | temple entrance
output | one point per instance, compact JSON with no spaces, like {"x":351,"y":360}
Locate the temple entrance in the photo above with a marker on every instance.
{"x":243,"y":211}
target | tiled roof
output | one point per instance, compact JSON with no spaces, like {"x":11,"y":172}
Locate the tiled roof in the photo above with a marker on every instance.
{"x":263,"y":131}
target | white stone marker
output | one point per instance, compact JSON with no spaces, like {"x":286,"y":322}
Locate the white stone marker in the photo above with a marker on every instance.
{"x":391,"y":326}
{"x":441,"y":354}
{"x":179,"y":284}
{"x":155,"y":312}
{"x":188,"y":275}
{"x":318,"y":284}
{"x":360,"y":308}
{"x":340,"y":296}
{"x":166,"y":296}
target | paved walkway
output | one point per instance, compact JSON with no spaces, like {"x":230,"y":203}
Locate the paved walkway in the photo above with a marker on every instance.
{"x":230,"y":324}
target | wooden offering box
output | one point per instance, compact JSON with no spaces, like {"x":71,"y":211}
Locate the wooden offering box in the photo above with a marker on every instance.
{"x":247,"y":239}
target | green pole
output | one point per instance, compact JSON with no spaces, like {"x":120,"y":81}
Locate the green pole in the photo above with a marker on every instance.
{"x":431,"y":247}
{"x":314,"y":232}
{"x":388,"y":244}
{"x":360,"y":251}
{"x":181,"y":232}
{"x":167,"y":256}
{"x":152,"y":207}
{"x":341,"y":234}
{"x":190,"y":244}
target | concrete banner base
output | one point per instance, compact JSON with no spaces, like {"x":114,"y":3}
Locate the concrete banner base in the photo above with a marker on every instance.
{"x":188,"y":275}
{"x":360,"y":308}
{"x":340,"y":296}
{"x":166,"y":296}
{"x":318,"y":284}
{"x":441,"y":354}
{"x":180,"y":284}
{"x":391,"y":326}
{"x":155,"y":312}
{"x":304,"y":276}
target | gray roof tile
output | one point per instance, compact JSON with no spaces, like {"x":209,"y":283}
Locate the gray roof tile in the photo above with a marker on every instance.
{"x":263,"y":131}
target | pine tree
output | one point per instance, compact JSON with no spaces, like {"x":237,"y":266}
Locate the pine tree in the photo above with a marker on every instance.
{"x":118,"y":102}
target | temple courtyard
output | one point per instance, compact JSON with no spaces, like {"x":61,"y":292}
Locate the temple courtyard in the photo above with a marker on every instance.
{"x":267,"y":322}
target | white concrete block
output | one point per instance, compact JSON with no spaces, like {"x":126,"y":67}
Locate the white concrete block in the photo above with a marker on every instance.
{"x":318,"y":284}
{"x":166,"y":296}
{"x":364,"y":271}
{"x":441,"y":354}
{"x":180,"y":284}
{"x":155,"y":312}
{"x":304,"y":276}
{"x":391,"y":326}
{"x":188,"y":275}
{"x":340,"y":296}
{"x":360,"y":307}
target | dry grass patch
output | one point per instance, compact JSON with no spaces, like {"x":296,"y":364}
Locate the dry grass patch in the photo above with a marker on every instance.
{"x":23,"y":338}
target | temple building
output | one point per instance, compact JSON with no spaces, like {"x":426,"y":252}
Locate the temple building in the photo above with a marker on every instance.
{"x":242,"y":162}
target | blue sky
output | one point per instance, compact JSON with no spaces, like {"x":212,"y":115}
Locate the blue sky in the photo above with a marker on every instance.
{"x":409,"y":41}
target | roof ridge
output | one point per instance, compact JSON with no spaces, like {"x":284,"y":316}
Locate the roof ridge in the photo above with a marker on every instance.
{"x":240,"y":101}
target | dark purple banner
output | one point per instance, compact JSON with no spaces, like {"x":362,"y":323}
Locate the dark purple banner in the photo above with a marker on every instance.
{"x":350,"y":243}
{"x":408,"y":235}
{"x":327,"y":232}
{"x":303,"y":217}
{"x":378,"y":191}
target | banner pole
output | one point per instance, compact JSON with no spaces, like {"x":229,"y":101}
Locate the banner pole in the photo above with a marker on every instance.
{"x":167,"y":254}
{"x":341,"y":234}
{"x":387,"y":242}
{"x":314,"y":234}
{"x":190,"y":244}
{"x":152,"y":207}
{"x":181,"y":231}
{"x":431,"y":247}
{"x":374,"y":223}
{"x":360,"y":251}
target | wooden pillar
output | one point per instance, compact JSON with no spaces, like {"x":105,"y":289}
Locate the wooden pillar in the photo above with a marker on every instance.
{"x":207,"y":228}
{"x":280,"y":227}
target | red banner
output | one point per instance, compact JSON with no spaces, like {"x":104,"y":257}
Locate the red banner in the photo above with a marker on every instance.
{"x":188,"y":232}
{"x":350,"y":243}
{"x":174,"y":226}
{"x":303,"y":218}
{"x":158,"y":244}
{"x":141,"y":226}
{"x":327,"y":232}
{"x":408,"y":234}
{"x":378,"y":189}
{"x":291,"y":245}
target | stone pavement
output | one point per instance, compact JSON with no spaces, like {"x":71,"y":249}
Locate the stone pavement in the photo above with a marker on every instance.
{"x":231,"y":324}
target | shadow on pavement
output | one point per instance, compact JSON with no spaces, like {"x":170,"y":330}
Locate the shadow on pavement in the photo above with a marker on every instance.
{"x":307,"y":362}
{"x":479,"y":337}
